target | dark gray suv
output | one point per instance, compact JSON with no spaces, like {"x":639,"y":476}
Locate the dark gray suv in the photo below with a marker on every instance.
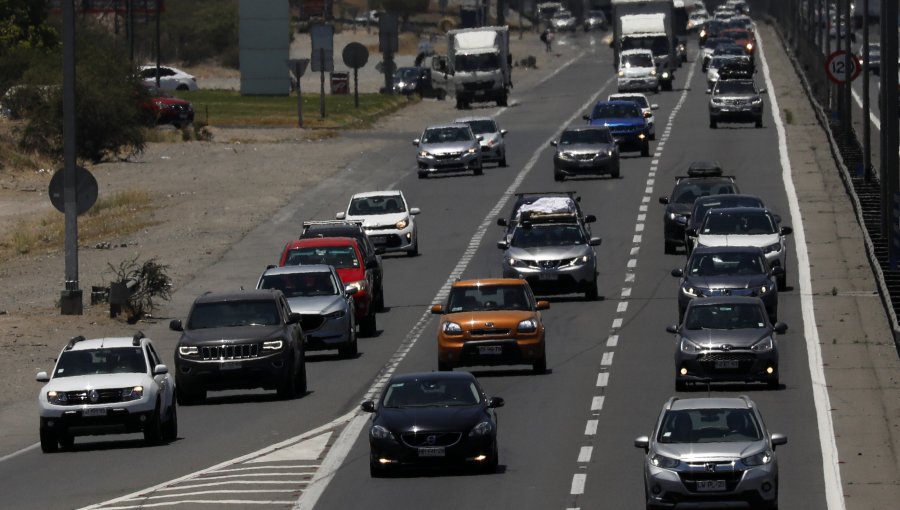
{"x":239,"y":340}
{"x":710,"y":453}
{"x":736,"y":101}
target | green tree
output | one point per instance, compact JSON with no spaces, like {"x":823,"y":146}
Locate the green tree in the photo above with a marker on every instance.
{"x":23,"y":25}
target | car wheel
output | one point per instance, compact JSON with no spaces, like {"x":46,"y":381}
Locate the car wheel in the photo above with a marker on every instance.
{"x":652,"y":136}
{"x":444,"y":367}
{"x":759,"y":123}
{"x":301,"y":385}
{"x":540,"y":366}
{"x":170,"y":428}
{"x":423,"y":175}
{"x":49,"y":441}
{"x":66,"y":441}
{"x":591,"y":293}
{"x":774,"y":383}
{"x":680,"y":385}
{"x":351,"y":349}
{"x":479,"y":170}
{"x":645,"y":151}
{"x":616,"y":173}
{"x":502,"y":162}
{"x":182,"y":87}
{"x":288,"y":387}
{"x":188,"y":397}
{"x":442,"y":95}
{"x":376,"y":471}
{"x":502,"y":101}
{"x":412,"y":252}
{"x":367,"y":325}
{"x":490,"y":466}
{"x":781,"y":280}
{"x":773,"y":316}
{"x":379,"y":300}
{"x":153,"y":428}
{"x":558,"y":176}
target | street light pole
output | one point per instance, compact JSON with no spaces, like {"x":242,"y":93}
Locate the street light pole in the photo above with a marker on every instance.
{"x":71,"y":298}
{"x":867,"y":107}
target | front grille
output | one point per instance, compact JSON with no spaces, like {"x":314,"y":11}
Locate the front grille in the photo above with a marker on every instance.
{"x":481,"y":85}
{"x":489,"y":332}
{"x":731,"y":292}
{"x":709,"y":360}
{"x":426,"y":439}
{"x":387,"y":241}
{"x":736,"y":101}
{"x":625,"y":130}
{"x":585,"y":157}
{"x":382,"y":227}
{"x":104,"y":396}
{"x":312,"y":321}
{"x":727,"y":473}
{"x":448,"y":155}
{"x":549,"y":264}
{"x":222,"y":352}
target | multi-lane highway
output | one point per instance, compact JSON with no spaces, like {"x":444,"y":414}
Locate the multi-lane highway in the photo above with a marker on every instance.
{"x":565,"y":437}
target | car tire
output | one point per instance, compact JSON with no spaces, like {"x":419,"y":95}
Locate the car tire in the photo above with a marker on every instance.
{"x":479,"y":170}
{"x":153,"y":427}
{"x":379,"y":300}
{"x":540,"y":366}
{"x":170,"y":427}
{"x":368,"y":326}
{"x":187,"y":397}
{"x":591,"y":294}
{"x":502,"y":162}
{"x":781,"y":280}
{"x":645,"y":151}
{"x":713,"y":124}
{"x":301,"y":385}
{"x":288,"y":387}
{"x":669,"y":248}
{"x":412,"y":252}
{"x":680,"y":385}
{"x":774,"y":383}
{"x":493,"y":462}
{"x":376,"y":471}
{"x":759,"y":123}
{"x":616,"y":173}
{"x":182,"y":88}
{"x":49,"y":441}
{"x":442,"y":95}
{"x":351,"y":348}
{"x":652,"y":136}
{"x":503,"y":101}
{"x":422,"y":175}
{"x":558,"y":176}
{"x":444,"y":367}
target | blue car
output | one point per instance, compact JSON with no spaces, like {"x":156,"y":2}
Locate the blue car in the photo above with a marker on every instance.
{"x":626,"y":122}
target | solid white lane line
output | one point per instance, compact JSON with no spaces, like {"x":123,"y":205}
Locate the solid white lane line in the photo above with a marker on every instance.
{"x":220,"y":491}
{"x":874,"y":118}
{"x":578,"y":481}
{"x":584,"y":455}
{"x":217,"y":502}
{"x":834,"y":494}
{"x":310,"y":467}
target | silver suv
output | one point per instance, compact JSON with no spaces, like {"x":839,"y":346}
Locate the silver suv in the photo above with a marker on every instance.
{"x":736,"y":101}
{"x":710,"y":451}
{"x":448,"y":148}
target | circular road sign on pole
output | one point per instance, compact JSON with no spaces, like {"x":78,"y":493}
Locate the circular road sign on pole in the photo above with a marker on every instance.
{"x":835,"y":67}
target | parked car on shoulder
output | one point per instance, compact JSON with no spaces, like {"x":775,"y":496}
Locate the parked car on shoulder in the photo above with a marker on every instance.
{"x":161,"y":108}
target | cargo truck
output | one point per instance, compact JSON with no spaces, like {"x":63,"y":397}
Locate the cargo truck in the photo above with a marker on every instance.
{"x":479,"y":63}
{"x":646,"y":24}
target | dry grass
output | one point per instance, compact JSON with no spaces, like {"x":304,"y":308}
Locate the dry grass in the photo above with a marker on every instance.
{"x":112,"y":217}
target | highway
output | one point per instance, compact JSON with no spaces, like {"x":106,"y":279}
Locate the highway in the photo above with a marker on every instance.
{"x":565,"y":437}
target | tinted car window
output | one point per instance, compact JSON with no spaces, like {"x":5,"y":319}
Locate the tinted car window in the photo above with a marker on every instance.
{"x":687,"y":193}
{"x":480,"y":127}
{"x":589,"y":136}
{"x":637,"y":61}
{"x":337,"y":256}
{"x":751,"y":223}
{"x":301,"y":284}
{"x":119,"y":360}
{"x":488,"y":297}
{"x":431,"y":394}
{"x":603,"y":111}
{"x":547,"y":235}
{"x":735,"y":87}
{"x":234,"y":313}
{"x":383,"y":204}
{"x":709,"y":426}
{"x":726,"y":263}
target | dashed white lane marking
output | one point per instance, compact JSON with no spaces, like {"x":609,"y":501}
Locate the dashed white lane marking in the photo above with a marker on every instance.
{"x":580,"y":479}
{"x":834,"y":496}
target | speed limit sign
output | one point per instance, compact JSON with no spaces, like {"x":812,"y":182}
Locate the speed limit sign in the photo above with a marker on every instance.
{"x":836,"y":67}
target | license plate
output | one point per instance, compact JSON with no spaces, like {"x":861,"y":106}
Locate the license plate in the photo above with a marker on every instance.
{"x":432,"y":451}
{"x":585,"y":163}
{"x":490,"y":349}
{"x":379,"y":240}
{"x":94,"y":411}
{"x":710,"y":485}
{"x":546,"y":276}
{"x":231,"y":365}
{"x":726,"y":364}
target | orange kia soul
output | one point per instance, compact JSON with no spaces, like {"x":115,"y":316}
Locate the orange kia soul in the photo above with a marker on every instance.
{"x":491,"y":322}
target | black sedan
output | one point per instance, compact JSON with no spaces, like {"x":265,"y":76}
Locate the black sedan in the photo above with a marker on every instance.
{"x":433,"y":419}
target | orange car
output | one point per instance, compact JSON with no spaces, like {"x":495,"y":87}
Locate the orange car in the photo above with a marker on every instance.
{"x":491,"y":322}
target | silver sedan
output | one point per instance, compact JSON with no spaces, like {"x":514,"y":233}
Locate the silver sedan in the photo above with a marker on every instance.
{"x":493,"y":146}
{"x":448,"y":148}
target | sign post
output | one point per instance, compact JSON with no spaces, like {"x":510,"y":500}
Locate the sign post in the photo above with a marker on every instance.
{"x":322,"y":57}
{"x":297,"y":66}
{"x":355,"y":55}
{"x":837,"y":70}
{"x":388,"y":44}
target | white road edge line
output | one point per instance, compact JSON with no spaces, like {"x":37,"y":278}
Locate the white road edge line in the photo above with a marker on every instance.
{"x":830,"y":469}
{"x":875,"y":120}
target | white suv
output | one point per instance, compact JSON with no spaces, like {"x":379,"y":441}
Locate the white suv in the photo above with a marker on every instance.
{"x":107,"y":386}
{"x":637,"y":71}
{"x":387,"y":219}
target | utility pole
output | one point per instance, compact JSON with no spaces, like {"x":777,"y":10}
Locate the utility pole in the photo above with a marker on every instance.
{"x":847,"y":120}
{"x":889,"y":122}
{"x":867,"y":107}
{"x":71,"y":298}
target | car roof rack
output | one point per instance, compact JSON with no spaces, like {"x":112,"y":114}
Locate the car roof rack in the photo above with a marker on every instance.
{"x":74,"y":340}
{"x":136,"y":339}
{"x":704,"y":169}
{"x":538,"y":217}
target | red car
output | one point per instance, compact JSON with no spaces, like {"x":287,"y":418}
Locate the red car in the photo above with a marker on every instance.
{"x":344,"y":254}
{"x":741,"y":37}
{"x":164,"y":109}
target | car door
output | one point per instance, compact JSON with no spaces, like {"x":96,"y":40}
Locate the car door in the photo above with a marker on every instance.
{"x":164,"y":381}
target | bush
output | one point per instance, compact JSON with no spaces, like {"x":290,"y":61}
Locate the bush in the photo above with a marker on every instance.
{"x":152,"y":283}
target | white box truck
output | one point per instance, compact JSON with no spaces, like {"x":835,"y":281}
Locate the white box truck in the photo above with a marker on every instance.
{"x":646,"y":24}
{"x":479,"y":63}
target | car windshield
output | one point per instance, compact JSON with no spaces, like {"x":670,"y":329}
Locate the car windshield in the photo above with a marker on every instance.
{"x":301,"y":284}
{"x":726,"y":264}
{"x":702,"y":206}
{"x":596,"y":14}
{"x":480,"y":127}
{"x":743,"y":223}
{"x":341,"y":257}
{"x":117,"y":360}
{"x":381,"y":204}
{"x":713,"y":42}
{"x":717,"y":62}
{"x":585,"y":136}
{"x":538,"y":236}
{"x":477,"y":62}
{"x":406,"y":74}
{"x":488,"y":297}
{"x":736,"y":35}
{"x":709,"y":426}
{"x":638,"y":99}
{"x":431,"y":393}
{"x":225,"y":314}
{"x":724,"y":316}
{"x":729,"y":49}
{"x":735,"y":87}
{"x":686,"y":193}
{"x":638,"y":60}
{"x":658,"y":45}
{"x":447,"y":135}
{"x":615,"y":111}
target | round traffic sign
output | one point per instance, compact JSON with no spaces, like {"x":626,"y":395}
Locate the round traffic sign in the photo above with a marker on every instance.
{"x":836,"y":67}
{"x":355,"y":55}
{"x":85,"y":190}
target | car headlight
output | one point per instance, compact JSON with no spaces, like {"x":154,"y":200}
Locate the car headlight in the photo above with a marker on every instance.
{"x":514,"y":262}
{"x":527,"y":326}
{"x":188,"y":350}
{"x":402,"y":224}
{"x":272,"y":345}
{"x":749,"y":46}
{"x":334,"y":315}
{"x":482,"y":429}
{"x":610,"y":152}
{"x":665,"y":75}
{"x":565,"y":155}
{"x":452,"y":328}
{"x":424,"y":154}
{"x":663,"y":461}
{"x":764,"y":345}
{"x":653,"y":72}
{"x":57,"y":397}
{"x":358,"y":286}
{"x":621,"y":74}
{"x":759,"y":459}
{"x":642,"y":136}
{"x":716,"y":100}
{"x":379,"y":432}
{"x":473,"y":150}
{"x":757,"y":100}
{"x":577,"y":261}
{"x":765,"y":289}
{"x":702,"y":33}
{"x":133,"y":393}
{"x":773,"y":247}
{"x":689,"y":347}
{"x":690,"y":291}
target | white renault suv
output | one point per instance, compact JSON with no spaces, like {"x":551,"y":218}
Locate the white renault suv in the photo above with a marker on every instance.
{"x":387,"y":219}
{"x":107,"y":386}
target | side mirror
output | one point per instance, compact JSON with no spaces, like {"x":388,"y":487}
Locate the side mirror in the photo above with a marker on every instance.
{"x":678,"y":273}
{"x":786,"y":231}
{"x":479,"y":138}
{"x":270,"y":266}
{"x":416,"y":142}
{"x":672,"y":329}
{"x":688,"y":231}
{"x":595,"y":241}
{"x":503,"y":132}
{"x":780,"y":328}
{"x":494,"y":402}
{"x":778,"y":440}
{"x":372,"y":264}
{"x":501,"y":222}
{"x":642,"y":442}
{"x":590,"y":218}
{"x":349,"y":290}
{"x":294,"y":318}
{"x":664,"y":200}
{"x":340,"y":215}
{"x":777,"y":271}
{"x":654,"y":107}
{"x":543,"y":305}
{"x":763,"y":91}
{"x":42,"y":377}
{"x":503,"y":245}
{"x":368,"y":406}
{"x":160,"y":369}
{"x":554,"y":143}
{"x":647,"y":115}
{"x":709,"y":91}
{"x":175,"y":325}
{"x":437,"y":309}
{"x":586,"y":117}
{"x":414,"y":211}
